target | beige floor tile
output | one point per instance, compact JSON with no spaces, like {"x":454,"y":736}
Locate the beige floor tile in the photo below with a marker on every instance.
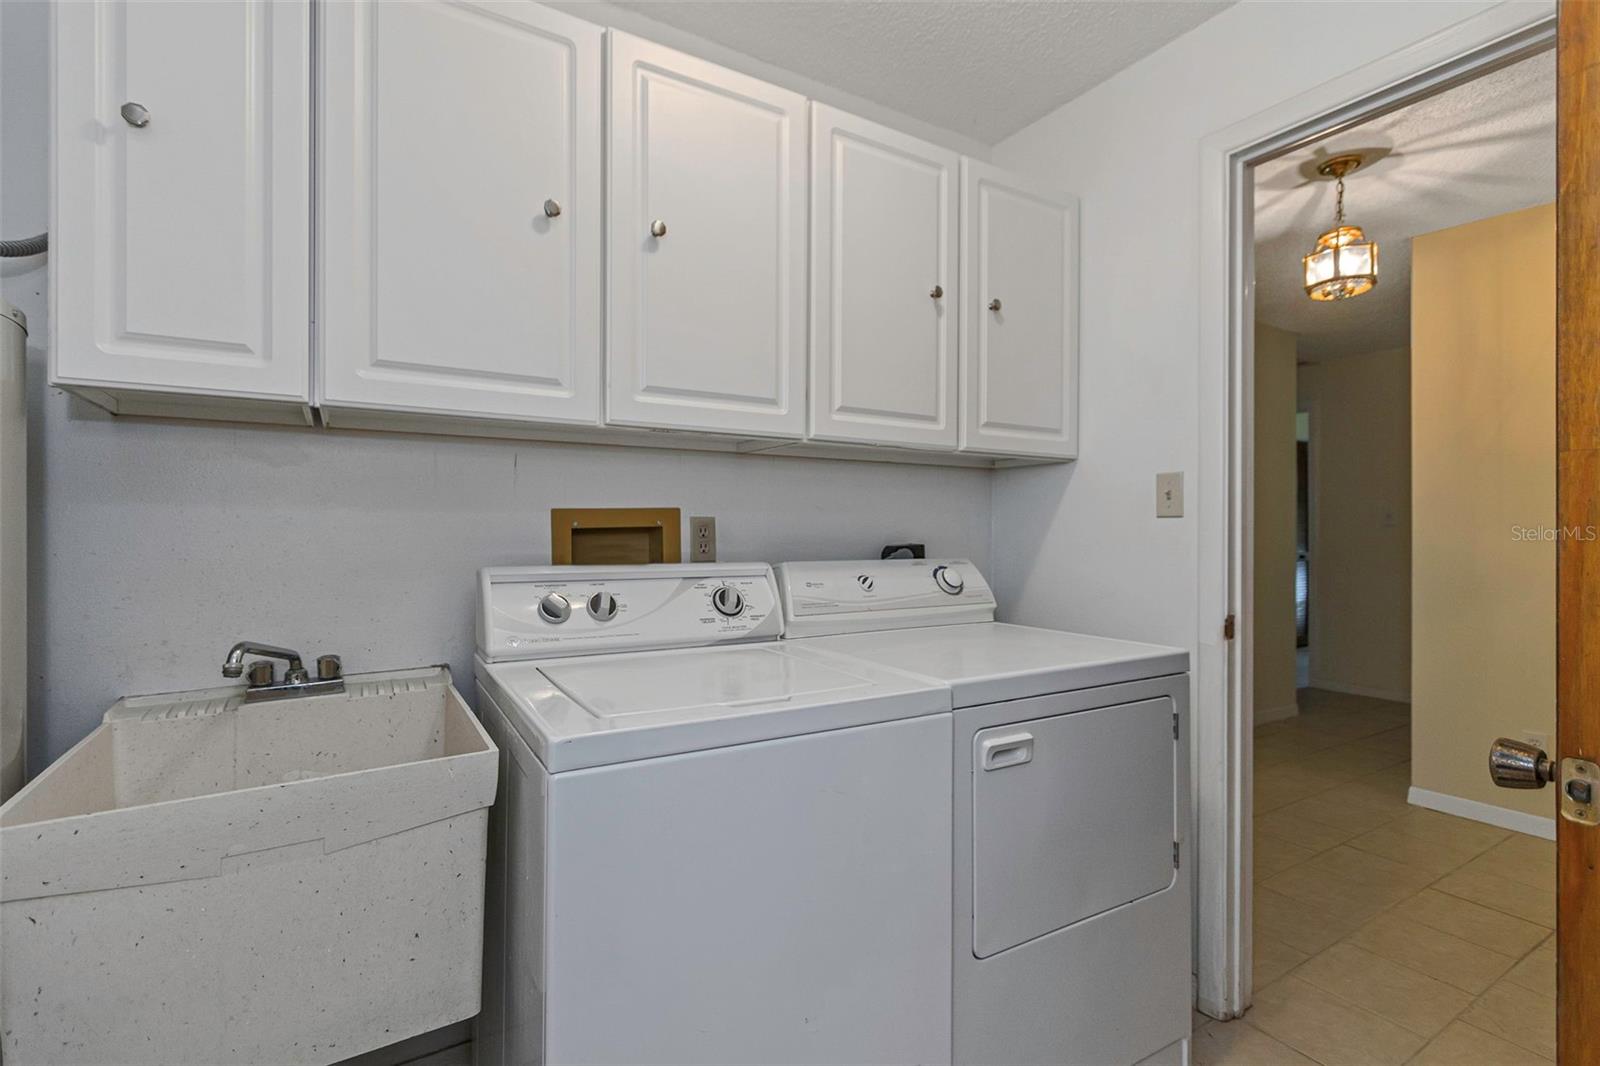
{"x":1327,"y":1028}
{"x":1297,"y":924}
{"x":1448,"y":829}
{"x":1299,"y":830}
{"x":1272,"y":795}
{"x":1271,"y":958}
{"x":1465,"y":965}
{"x":1537,"y":972}
{"x":1392,"y":991}
{"x":1419,"y":852}
{"x":1518,"y":1015}
{"x":1342,"y":816}
{"x":1528,"y":902}
{"x":1241,"y":1044}
{"x":1374,"y":794}
{"x":1480,"y":925}
{"x":1524,"y":859}
{"x":1368,"y":869}
{"x":1336,"y":897}
{"x":1274,"y":855}
{"x":1464,"y":1045}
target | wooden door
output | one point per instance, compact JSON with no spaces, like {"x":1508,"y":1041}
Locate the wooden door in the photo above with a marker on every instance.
{"x":1578,"y":513}
{"x":1019,"y":314}
{"x":883,"y":284}
{"x":460,"y":210}
{"x":706,"y":306}
{"x":180,"y":246}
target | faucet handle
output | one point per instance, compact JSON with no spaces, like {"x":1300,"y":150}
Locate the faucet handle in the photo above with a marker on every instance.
{"x":262,"y":672}
{"x":329,"y":668}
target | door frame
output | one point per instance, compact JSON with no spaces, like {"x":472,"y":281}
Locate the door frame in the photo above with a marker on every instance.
{"x":1494,"y":38}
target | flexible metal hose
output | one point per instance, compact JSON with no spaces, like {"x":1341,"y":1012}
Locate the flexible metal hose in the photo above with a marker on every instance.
{"x":31,"y":246}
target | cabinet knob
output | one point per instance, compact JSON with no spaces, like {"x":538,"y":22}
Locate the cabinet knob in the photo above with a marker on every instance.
{"x":994,"y":304}
{"x":135,"y":115}
{"x":936,"y":292}
{"x":552,"y":209}
{"x":658,"y":228}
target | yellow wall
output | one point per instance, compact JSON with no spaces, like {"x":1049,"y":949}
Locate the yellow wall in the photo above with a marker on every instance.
{"x":1274,"y":547}
{"x":1483,"y":443}
{"x":1360,"y":409}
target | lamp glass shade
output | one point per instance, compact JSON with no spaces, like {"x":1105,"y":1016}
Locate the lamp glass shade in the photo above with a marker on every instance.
{"x":1343,"y":264}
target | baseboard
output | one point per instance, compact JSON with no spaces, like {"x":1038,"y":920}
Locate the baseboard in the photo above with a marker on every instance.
{"x":1360,"y":690}
{"x":1518,"y":821}
{"x":1263,"y":715}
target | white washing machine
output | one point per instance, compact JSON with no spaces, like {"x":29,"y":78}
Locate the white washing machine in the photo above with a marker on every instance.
{"x":1071,"y":935}
{"x":710,"y":846}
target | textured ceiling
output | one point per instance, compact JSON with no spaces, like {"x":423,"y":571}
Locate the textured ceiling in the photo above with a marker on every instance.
{"x":984,"y":69}
{"x":1478,"y":150}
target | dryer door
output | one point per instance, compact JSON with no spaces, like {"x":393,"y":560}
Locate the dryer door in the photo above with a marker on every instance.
{"x":1072,"y":815}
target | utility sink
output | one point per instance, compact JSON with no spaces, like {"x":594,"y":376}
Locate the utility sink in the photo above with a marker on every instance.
{"x":207,"y":880}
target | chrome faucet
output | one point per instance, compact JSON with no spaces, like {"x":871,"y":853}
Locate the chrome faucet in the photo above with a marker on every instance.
{"x":297,"y":681}
{"x":233,"y":665}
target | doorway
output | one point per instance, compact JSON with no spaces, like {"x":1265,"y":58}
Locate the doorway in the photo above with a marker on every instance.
{"x":1474,"y":48}
{"x":1405,"y":907}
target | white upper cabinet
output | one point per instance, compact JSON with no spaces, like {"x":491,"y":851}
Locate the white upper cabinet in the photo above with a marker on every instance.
{"x":707,"y":250}
{"x":884,"y":285}
{"x":1019,"y":338}
{"x":460,"y":210}
{"x":180,"y":219}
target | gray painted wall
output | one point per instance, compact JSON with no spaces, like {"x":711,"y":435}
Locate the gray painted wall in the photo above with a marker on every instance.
{"x":154,"y":545}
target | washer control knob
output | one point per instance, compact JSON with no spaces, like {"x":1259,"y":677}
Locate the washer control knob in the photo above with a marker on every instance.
{"x":728,"y":601}
{"x":948,"y":580}
{"x":554,"y":608}
{"x":602,"y":606}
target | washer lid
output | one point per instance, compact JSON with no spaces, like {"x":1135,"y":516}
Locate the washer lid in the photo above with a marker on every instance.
{"x":992,"y":661}
{"x":596,"y":710}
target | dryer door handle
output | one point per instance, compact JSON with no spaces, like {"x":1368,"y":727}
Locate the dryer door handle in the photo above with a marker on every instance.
{"x":1008,"y":749}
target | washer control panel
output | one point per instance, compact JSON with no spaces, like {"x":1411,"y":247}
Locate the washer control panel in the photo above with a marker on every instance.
{"x":534,"y":612}
{"x":852,"y":597}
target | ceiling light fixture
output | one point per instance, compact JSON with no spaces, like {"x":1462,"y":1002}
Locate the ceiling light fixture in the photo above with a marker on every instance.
{"x":1344,"y":263}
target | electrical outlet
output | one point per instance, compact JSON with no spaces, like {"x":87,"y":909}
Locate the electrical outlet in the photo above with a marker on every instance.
{"x":702,"y":539}
{"x":1169,"y":495}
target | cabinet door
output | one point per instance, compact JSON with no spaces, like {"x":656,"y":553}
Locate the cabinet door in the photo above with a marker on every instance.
{"x":460,"y":210}
{"x":180,"y":233}
{"x":706,"y":313}
{"x":1019,"y":350}
{"x":884,"y":290}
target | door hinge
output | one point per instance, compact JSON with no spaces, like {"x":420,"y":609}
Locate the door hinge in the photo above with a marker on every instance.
{"x":1227,"y":628}
{"x":1176,"y":862}
{"x":1174,"y":725}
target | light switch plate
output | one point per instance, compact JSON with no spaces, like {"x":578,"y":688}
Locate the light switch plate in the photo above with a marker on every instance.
{"x":702,"y":539}
{"x":1169,"y":495}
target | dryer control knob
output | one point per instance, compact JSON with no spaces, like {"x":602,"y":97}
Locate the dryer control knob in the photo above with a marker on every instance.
{"x":728,"y":601}
{"x":602,"y":606}
{"x":554,"y":608}
{"x":948,"y":580}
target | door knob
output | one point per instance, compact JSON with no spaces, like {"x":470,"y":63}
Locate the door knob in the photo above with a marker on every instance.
{"x":1515,"y":764}
{"x":994,"y":304}
{"x":552,"y":209}
{"x":658,"y":228}
{"x":936,"y":292}
{"x":135,"y":115}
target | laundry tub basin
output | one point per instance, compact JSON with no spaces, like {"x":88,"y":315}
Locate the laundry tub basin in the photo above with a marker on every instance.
{"x":204,"y":880}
